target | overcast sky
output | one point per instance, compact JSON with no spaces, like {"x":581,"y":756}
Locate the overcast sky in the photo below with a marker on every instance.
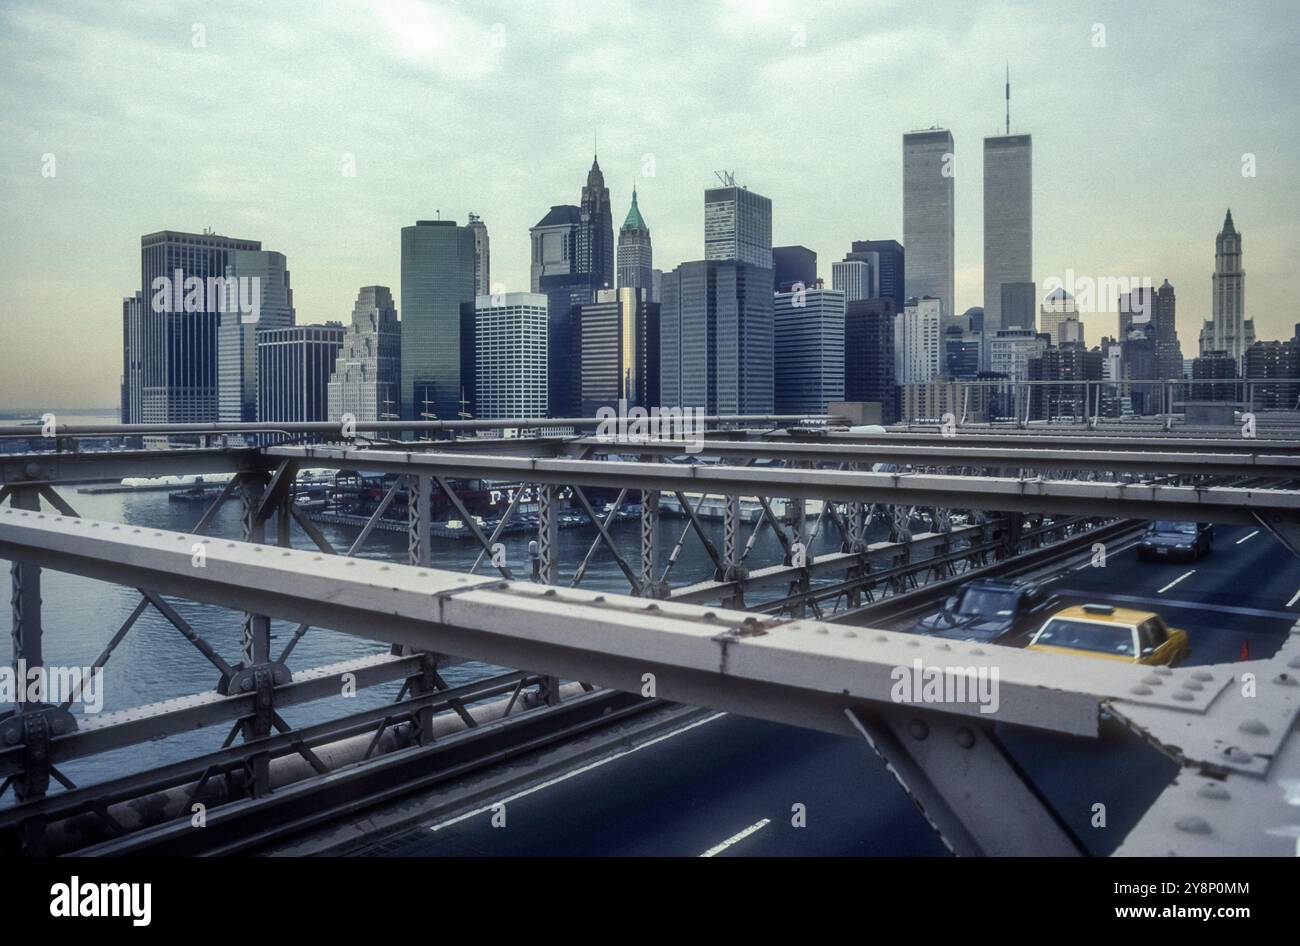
{"x":241,"y":117}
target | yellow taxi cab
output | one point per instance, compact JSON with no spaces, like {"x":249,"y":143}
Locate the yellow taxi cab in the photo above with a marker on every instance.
{"x":1099,"y":630}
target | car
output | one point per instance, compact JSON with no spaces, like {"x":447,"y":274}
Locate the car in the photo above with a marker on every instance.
{"x":990,"y":611}
{"x":1165,"y":539}
{"x":1111,"y":633}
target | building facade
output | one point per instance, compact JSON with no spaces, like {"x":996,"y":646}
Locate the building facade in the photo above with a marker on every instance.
{"x":1228,"y":329}
{"x":178,"y":361}
{"x":1008,"y":223}
{"x":808,"y":350}
{"x":367,"y":378}
{"x":918,"y":341}
{"x":511,"y":350}
{"x":293,"y":372}
{"x":596,"y":230}
{"x":635,"y":252}
{"x":928,"y":215}
{"x":737,"y":226}
{"x":716,"y":340}
{"x":619,"y":340}
{"x":237,"y":392}
{"x":482,"y":256}
{"x":793,"y":266}
{"x":438,"y":359}
{"x":869,"y":354}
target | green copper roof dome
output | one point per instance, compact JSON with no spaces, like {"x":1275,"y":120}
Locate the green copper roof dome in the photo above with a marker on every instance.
{"x":634,"y":221}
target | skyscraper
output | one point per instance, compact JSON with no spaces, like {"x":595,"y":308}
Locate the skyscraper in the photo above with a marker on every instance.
{"x":510,"y":334}
{"x":918,"y":345}
{"x":596,"y":230}
{"x":293,"y":371}
{"x":1058,"y":307}
{"x":178,"y":355}
{"x":1228,"y":329}
{"x":716,"y":337}
{"x":620,"y":350}
{"x":737,"y":226}
{"x":555,"y":244}
{"x":853,"y":278}
{"x":888,"y":269}
{"x":437,"y":319}
{"x":1169,"y":353}
{"x":482,"y":256}
{"x":132,"y":357}
{"x":808,"y":350}
{"x":367,"y":377}
{"x":635,"y":254}
{"x":928,"y":205}
{"x":791,"y":265}
{"x":237,"y":391}
{"x":869,"y":354}
{"x":1008,"y":223}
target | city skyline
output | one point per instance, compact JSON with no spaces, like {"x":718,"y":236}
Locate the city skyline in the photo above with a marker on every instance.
{"x":1102,"y":206}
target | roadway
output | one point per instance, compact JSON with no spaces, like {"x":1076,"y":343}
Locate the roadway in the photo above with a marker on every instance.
{"x":727,"y":785}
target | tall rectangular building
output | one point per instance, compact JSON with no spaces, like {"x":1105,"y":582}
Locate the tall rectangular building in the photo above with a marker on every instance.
{"x":918,"y":341}
{"x":132,"y":357}
{"x":620,"y":350}
{"x":511,"y":348}
{"x":928,"y":215}
{"x":715,"y":328}
{"x":853,"y":278}
{"x":888,"y":269}
{"x":1008,"y":223}
{"x":437,"y":320}
{"x":869,"y":354}
{"x":791,"y":265}
{"x":237,"y":336}
{"x":737,"y":226}
{"x":808,"y":350}
{"x":293,"y":372}
{"x":179,"y":326}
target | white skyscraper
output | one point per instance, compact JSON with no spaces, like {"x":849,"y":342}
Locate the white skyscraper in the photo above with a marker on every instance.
{"x":1008,"y":223}
{"x":510,"y":350}
{"x":918,"y":347}
{"x":853,"y":278}
{"x":928,"y":204}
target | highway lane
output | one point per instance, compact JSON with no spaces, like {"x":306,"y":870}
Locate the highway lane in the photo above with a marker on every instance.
{"x":1246,"y":591}
{"x":726,"y":786}
{"x":686,"y":793}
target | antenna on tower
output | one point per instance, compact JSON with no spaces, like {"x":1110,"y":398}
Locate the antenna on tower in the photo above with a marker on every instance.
{"x":1008,"y":97}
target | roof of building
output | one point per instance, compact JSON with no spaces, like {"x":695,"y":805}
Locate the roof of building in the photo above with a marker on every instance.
{"x":560,"y":213}
{"x":634,"y":220}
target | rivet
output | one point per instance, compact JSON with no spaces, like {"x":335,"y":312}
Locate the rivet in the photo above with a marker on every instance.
{"x":1153,"y":681}
{"x":1140,"y":690}
{"x":1192,"y":824}
{"x":913,"y":643}
{"x":1213,"y":790}
{"x":1285,"y":679}
{"x":850,"y":634}
{"x":1192,"y":685}
{"x":965,"y":738}
{"x":1253,"y":727}
{"x":1162,"y":671}
{"x":918,"y":728}
{"x":1203,"y":675}
{"x":1183,"y":696}
{"x":1237,"y":755}
{"x":551,"y":593}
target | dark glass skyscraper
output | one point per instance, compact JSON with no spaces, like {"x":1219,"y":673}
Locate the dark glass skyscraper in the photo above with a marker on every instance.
{"x":620,"y":350}
{"x":869,"y":354}
{"x":715,"y":327}
{"x":793,"y":264}
{"x":437,"y":319}
{"x":596,"y":230}
{"x":178,"y":363}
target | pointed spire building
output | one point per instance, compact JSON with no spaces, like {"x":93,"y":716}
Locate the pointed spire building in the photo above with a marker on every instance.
{"x":635,"y":255}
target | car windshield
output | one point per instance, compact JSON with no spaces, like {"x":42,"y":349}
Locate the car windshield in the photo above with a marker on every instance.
{"x":987,"y":602}
{"x":1087,"y":635}
{"x":1178,"y":528}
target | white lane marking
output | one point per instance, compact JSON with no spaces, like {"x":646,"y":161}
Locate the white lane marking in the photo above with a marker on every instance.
{"x":1294,"y":598}
{"x":1245,"y":537}
{"x":1176,"y":581}
{"x":719,"y":848}
{"x":568,"y":775}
